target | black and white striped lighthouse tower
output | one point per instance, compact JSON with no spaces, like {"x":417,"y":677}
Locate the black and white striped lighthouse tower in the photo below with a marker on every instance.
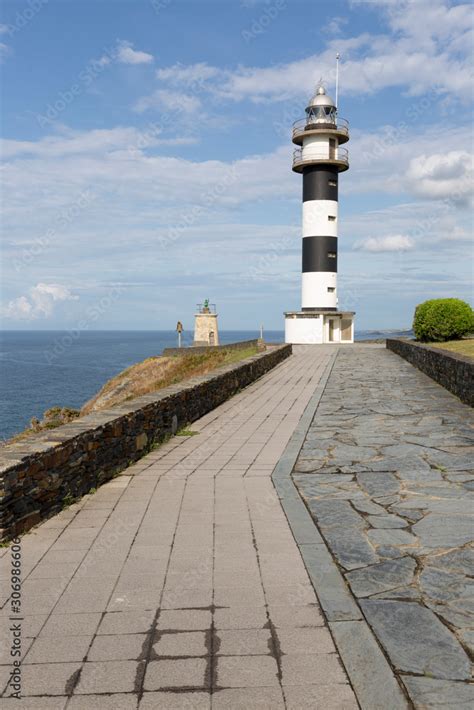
{"x":320,"y":159}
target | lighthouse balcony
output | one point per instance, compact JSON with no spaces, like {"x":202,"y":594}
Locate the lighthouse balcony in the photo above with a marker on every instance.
{"x":339,"y":158}
{"x":338,"y":128}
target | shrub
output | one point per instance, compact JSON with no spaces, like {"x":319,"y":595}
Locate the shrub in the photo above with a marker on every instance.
{"x":442,"y":319}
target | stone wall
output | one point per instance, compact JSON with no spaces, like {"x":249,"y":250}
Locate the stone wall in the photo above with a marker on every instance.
{"x":241,"y":345}
{"x":39,"y":475}
{"x":452,"y":371}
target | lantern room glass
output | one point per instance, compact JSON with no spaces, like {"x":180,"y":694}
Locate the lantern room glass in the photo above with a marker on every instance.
{"x":320,"y":114}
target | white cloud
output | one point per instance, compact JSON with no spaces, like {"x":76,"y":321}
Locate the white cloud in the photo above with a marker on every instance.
{"x":191,"y":74}
{"x":95,"y":142}
{"x":165,"y":100}
{"x":426,"y":49}
{"x":447,"y":175}
{"x":399,"y":159}
{"x":4,"y":29}
{"x":4,"y":51}
{"x":127,"y":55}
{"x":396,"y":242}
{"x":335,"y":25}
{"x":39,"y":304}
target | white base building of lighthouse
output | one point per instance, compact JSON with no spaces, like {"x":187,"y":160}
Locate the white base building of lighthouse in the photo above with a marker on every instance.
{"x":320,"y":159}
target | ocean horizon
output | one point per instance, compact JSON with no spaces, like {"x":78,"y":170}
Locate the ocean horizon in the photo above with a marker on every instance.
{"x":45,"y":368}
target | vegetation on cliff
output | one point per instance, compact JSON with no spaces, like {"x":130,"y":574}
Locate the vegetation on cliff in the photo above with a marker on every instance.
{"x":158,"y":372}
{"x":145,"y":377}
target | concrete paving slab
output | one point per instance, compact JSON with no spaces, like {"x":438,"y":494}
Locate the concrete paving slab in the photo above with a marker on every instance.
{"x":107,"y":677}
{"x":247,"y":672}
{"x":245,"y":698}
{"x":170,"y":700}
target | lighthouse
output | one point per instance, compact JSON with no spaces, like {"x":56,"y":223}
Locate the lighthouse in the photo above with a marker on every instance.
{"x":320,"y":159}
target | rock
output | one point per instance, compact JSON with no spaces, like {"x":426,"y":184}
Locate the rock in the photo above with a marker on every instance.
{"x":451,"y":462}
{"x":308,"y":466}
{"x":433,"y":693}
{"x":343,"y":453}
{"x":141,"y":441}
{"x":366,"y":506}
{"x":416,"y":640}
{"x":402,"y":451}
{"x":467,"y":638}
{"x":390,"y":551}
{"x":408,"y":463}
{"x":387,"y":500}
{"x":380,"y":577}
{"x":457,"y":560}
{"x":406,"y":593}
{"x":438,"y":530}
{"x":387,"y":521}
{"x":462,"y":504}
{"x":391,"y":537}
{"x":378,"y":484}
{"x":443,"y":585}
{"x":330,"y":513}
{"x":460,"y":618}
{"x":350,"y":547}
{"x":422,"y":476}
{"x":332,"y":478}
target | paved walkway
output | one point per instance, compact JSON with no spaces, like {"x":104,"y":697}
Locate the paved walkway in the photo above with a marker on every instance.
{"x":387,"y":472}
{"x":179,"y":584}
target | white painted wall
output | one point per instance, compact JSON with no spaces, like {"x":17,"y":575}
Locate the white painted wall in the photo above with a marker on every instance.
{"x":315,"y":146}
{"x":304,"y":331}
{"x":314,"y":289}
{"x":315,"y":218}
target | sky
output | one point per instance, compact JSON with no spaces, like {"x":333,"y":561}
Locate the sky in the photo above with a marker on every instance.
{"x":146,"y":158}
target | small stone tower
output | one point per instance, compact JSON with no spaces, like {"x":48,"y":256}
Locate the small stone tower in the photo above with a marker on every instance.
{"x":205,"y":325}
{"x":320,"y":159}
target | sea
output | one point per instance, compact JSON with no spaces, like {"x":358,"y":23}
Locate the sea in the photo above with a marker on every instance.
{"x":42,"y":369}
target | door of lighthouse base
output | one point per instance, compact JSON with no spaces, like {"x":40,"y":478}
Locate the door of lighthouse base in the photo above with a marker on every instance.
{"x":332,"y":330}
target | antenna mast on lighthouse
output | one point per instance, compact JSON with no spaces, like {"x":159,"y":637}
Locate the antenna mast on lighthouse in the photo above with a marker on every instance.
{"x":337,"y":78}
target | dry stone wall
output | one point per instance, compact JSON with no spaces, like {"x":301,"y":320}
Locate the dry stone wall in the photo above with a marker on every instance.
{"x":452,"y":371}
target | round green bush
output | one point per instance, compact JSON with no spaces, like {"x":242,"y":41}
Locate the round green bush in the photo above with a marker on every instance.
{"x":442,"y":319}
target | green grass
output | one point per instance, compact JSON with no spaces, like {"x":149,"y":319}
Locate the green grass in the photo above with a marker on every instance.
{"x":186,"y":432}
{"x":68,"y":500}
{"x":461,"y":347}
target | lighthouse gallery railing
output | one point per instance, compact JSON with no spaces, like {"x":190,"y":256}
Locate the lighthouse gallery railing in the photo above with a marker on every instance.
{"x":305,"y":124}
{"x":313,"y":156}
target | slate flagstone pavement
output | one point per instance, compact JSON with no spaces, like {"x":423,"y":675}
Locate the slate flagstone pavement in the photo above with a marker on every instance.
{"x":179,"y":583}
{"x":387,"y":472}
